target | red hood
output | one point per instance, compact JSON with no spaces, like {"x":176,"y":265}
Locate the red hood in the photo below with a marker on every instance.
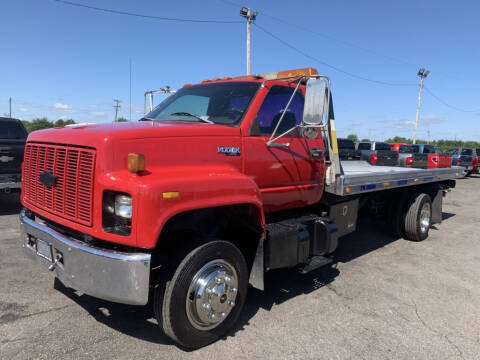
{"x":92,"y":135}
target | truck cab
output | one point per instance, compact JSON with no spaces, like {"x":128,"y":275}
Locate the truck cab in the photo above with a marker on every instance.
{"x":12,"y":144}
{"x":347,"y":151}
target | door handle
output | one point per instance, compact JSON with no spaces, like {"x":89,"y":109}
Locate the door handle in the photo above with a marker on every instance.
{"x":317,"y":153}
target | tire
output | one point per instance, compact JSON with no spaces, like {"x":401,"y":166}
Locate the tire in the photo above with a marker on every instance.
{"x":418,"y":217}
{"x":177,"y":301}
{"x":396,"y":215}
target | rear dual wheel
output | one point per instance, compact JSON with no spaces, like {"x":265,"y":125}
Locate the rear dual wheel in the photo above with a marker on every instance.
{"x":411,"y":217}
{"x":205,"y":296}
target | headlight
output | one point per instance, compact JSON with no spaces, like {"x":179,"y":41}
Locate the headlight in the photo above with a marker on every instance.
{"x":123,"y":206}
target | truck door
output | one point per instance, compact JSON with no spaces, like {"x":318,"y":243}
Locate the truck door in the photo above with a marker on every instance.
{"x":288,"y":176}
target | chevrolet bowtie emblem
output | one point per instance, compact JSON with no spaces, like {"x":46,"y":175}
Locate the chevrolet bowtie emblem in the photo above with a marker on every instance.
{"x":6,"y":158}
{"x":47,"y":179}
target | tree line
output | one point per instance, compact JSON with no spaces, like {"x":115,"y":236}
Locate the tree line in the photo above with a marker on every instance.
{"x":442,"y":144}
{"x":44,"y":123}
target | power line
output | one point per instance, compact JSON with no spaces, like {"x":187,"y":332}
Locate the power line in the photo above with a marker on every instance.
{"x":447,"y":104}
{"x":327,"y":64}
{"x":119,"y":12}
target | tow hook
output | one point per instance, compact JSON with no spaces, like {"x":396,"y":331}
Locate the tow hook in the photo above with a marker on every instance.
{"x":58,"y":258}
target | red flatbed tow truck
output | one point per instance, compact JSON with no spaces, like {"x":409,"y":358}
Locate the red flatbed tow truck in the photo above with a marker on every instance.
{"x":221,"y":182}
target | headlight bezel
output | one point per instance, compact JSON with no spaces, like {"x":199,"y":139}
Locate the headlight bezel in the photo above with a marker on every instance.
{"x":117,"y":212}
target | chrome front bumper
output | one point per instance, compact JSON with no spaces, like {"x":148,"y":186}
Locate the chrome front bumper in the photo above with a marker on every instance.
{"x":10,"y":185}
{"x":105,"y":274}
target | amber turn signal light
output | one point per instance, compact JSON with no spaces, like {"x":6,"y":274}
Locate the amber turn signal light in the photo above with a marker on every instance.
{"x":135,"y":162}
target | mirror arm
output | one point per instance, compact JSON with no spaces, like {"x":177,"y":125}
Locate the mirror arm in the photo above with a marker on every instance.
{"x":271,"y":142}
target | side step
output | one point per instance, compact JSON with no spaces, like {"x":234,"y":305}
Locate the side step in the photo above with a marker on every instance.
{"x":315,"y":262}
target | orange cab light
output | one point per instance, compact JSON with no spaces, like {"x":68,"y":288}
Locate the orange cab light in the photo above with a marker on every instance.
{"x":215,"y":78}
{"x":226,"y":78}
{"x":248,"y":77}
{"x":135,"y":162}
{"x":205,"y":80}
{"x":289,"y":73}
{"x":187,"y":84}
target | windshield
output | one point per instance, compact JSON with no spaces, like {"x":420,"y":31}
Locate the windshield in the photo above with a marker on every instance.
{"x":405,"y":149}
{"x":346,"y":144}
{"x":478,"y":151}
{"x":364,"y":146}
{"x":382,"y":146}
{"x":466,"y":152}
{"x":12,"y":130}
{"x":221,"y":103}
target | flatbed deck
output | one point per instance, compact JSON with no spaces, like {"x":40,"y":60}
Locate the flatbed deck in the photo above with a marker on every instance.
{"x":361,"y":177}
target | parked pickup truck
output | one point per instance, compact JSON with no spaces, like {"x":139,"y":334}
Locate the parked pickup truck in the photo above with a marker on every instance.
{"x":377,"y":153}
{"x":464,"y":158}
{"x":12,"y":144}
{"x":427,"y":156}
{"x":346,"y":150}
{"x":405,"y":153}
{"x":223,"y":181}
{"x":477,"y":153}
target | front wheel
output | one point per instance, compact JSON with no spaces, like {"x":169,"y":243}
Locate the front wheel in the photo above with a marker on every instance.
{"x":205,"y":295}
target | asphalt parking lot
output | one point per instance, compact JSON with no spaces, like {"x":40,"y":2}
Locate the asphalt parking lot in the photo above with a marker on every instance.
{"x":385,"y":298}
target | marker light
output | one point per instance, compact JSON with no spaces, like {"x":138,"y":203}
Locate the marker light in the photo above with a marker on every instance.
{"x":373,"y":158}
{"x":409,"y":161}
{"x":135,"y":162}
{"x":289,"y":73}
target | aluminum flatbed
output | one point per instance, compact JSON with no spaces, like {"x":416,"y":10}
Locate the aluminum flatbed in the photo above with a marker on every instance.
{"x":361,"y":177}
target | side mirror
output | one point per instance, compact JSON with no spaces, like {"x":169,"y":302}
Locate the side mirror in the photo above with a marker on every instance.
{"x":315,"y":102}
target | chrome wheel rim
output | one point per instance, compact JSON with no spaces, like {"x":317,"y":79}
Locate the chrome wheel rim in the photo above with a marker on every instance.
{"x":425,"y":217}
{"x":212,"y":294}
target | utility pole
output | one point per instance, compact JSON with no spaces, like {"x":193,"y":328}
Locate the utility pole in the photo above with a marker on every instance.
{"x":116,"y":106}
{"x":422,"y":73}
{"x":250,"y":16}
{"x":10,"y":106}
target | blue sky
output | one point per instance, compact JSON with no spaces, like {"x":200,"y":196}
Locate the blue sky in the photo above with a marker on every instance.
{"x":62,"y":61}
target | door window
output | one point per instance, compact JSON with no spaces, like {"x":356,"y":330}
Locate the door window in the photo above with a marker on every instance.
{"x":272,"y":108}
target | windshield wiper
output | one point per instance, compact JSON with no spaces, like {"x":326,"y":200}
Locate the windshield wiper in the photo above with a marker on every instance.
{"x":147,"y":119}
{"x":182,"y":113}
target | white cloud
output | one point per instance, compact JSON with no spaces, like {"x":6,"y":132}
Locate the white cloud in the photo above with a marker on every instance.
{"x":98,"y":113}
{"x":63,"y":107}
{"x":432,"y":118}
{"x":23,"y":110}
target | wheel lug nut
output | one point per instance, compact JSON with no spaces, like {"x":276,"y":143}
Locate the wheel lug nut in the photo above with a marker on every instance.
{"x":212,"y":315}
{"x":218,"y":280}
{"x":228,"y":278}
{"x":206,"y":306}
{"x":223,"y":314}
{"x":233,"y":289}
{"x":231,"y":303}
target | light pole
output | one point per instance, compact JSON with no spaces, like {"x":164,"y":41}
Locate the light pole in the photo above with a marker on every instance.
{"x":422,"y":73}
{"x":250,"y":16}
